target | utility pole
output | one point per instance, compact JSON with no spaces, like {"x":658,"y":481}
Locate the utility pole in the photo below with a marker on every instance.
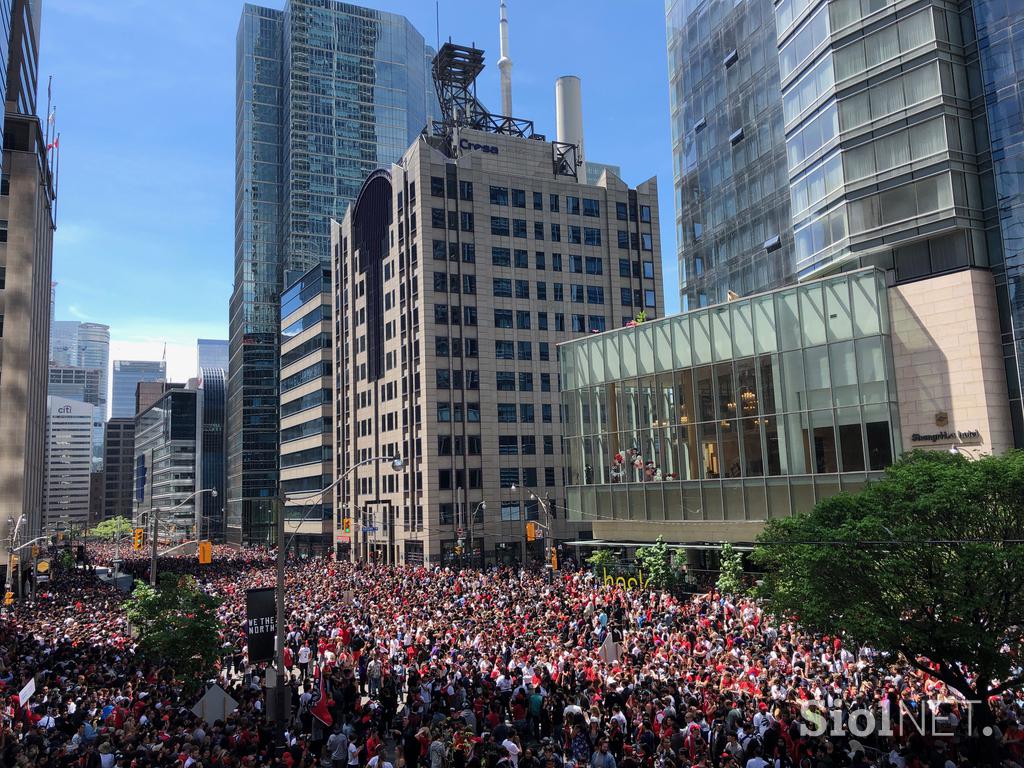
{"x":281,"y":697}
{"x":154,"y":513}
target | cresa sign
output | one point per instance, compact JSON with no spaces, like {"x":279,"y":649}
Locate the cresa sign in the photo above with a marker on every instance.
{"x":626,"y":582}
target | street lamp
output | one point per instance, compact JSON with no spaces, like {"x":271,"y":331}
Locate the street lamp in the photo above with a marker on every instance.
{"x":482,"y":506}
{"x":155,"y":518}
{"x":547,"y":516}
{"x":282,"y":549}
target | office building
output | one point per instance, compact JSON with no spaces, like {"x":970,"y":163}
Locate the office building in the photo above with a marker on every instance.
{"x":213,"y":391}
{"x":703,"y":426}
{"x":307,"y":459}
{"x":26,"y":248}
{"x":68,"y":464}
{"x":168,"y":459}
{"x":118,"y":468}
{"x":729,"y":152}
{"x":64,"y":342}
{"x":326,"y":92}
{"x":94,"y":352}
{"x":127,"y":375}
{"x":456,"y":272}
{"x":75,"y":383}
{"x":211,"y":353}
{"x":902,"y":135}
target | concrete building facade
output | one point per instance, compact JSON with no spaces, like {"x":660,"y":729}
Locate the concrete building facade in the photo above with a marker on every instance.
{"x":119,"y":468}
{"x":68,"y":464}
{"x":307,"y":456}
{"x":456,"y":273}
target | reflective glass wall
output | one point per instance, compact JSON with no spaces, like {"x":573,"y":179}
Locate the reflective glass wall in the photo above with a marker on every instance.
{"x":742,"y":411}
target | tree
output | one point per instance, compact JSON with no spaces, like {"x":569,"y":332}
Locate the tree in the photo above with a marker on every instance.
{"x":656,"y":563}
{"x":928,"y":562}
{"x":177,"y":625}
{"x":111,"y":528}
{"x":601,"y":559}
{"x":730,"y":574}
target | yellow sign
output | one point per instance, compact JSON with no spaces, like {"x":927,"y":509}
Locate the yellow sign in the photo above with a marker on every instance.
{"x":43,"y":566}
{"x":138,"y":538}
{"x":205,"y":552}
{"x":633,"y":582}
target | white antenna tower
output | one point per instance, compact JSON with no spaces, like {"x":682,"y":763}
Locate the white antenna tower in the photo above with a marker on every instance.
{"x":505,"y":63}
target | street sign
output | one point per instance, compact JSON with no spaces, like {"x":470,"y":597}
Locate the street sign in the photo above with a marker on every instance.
{"x":369,"y":529}
{"x":462,"y":533}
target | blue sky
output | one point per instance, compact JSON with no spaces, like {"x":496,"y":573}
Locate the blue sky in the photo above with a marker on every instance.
{"x":145,"y":96}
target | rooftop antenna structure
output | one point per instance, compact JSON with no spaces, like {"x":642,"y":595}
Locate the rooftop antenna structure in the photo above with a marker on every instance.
{"x":505,"y":63}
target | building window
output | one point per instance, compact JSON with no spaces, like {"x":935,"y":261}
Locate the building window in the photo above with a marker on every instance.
{"x":649,"y":270}
{"x":556,"y":262}
{"x":591,"y":207}
{"x":649,"y":298}
{"x":444,"y":445}
{"x":645,"y":214}
{"x":526,"y":413}
{"x":553,"y":203}
{"x":437,"y":218}
{"x":499,"y":196}
{"x":518,"y":228}
{"x":538,"y":230}
{"x":623,"y":236}
{"x":473,"y":413}
{"x":591,"y":236}
{"x":542,"y":290}
{"x":444,"y":412}
{"x":549,"y":446}
{"x":545,"y":382}
{"x":472,"y":379}
{"x":579,"y":323}
{"x":549,"y":476}
{"x":575,"y":237}
{"x":504,"y":350}
{"x":469,"y":284}
{"x":518,"y":198}
{"x":505,"y":381}
{"x":525,"y":381}
{"x":525,"y":350}
{"x":576,"y":264}
{"x":468,"y":253}
{"x":521,"y":259}
{"x":576,"y":294}
{"x":595,"y":294}
{"x":597,"y":323}
{"x":543,"y":348}
{"x":503,"y":287}
{"x":559,"y":321}
{"x":556,"y":233}
{"x":545,"y":413}
{"x":470,"y":347}
{"x":626,"y":297}
{"x":501,"y":257}
{"x":499,"y":226}
{"x":436,"y":186}
{"x":620,"y":211}
{"x":465,"y":190}
{"x":506,"y":413}
{"x":441,"y":313}
{"x":441,"y":346}
{"x":467,"y":221}
{"x":595,"y":265}
{"x":446,"y":511}
{"x":508,"y":445}
{"x":572,"y":205}
{"x":440,"y":250}
{"x":646,"y":243}
{"x":538,"y":201}
{"x":522,"y":289}
{"x":503,"y":318}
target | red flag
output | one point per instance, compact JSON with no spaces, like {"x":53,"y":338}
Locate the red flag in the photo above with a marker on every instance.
{"x":318,"y":702}
{"x":55,"y":143}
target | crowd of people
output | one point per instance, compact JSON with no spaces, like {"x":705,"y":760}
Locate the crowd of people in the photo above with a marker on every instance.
{"x":408,"y":667}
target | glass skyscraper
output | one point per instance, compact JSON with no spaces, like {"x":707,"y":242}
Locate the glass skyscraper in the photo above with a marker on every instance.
{"x":729,"y":153}
{"x":901,"y":142}
{"x":127,"y":375}
{"x":326,"y":93}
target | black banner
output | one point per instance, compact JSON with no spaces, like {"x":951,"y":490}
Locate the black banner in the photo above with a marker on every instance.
{"x":260,"y":623}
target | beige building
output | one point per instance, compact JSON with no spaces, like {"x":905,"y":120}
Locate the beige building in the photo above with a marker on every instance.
{"x":26,"y":248}
{"x":306,"y":461}
{"x":456,"y":273}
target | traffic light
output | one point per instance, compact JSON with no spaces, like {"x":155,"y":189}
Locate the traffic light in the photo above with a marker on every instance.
{"x":8,"y":598}
{"x":554,"y":559}
{"x":346,"y":525}
{"x":138,"y":538}
{"x":531,"y":532}
{"x":205,"y":552}
{"x":35,"y":551}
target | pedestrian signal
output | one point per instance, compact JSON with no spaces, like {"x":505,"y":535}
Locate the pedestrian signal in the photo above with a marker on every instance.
{"x":205,"y":552}
{"x":138,"y":538}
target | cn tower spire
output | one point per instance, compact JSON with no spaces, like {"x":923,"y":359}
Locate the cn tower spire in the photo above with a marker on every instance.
{"x":505,"y":63}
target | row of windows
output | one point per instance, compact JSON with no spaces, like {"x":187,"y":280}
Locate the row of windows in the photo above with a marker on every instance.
{"x":455,"y":347}
{"x":517,"y":199}
{"x":505,"y":381}
{"x":449,"y":379}
{"x":444,"y":315}
{"x":525,"y":414}
{"x":509,"y":476}
{"x":520,"y":259}
{"x":522,"y":350}
{"x":513,"y":445}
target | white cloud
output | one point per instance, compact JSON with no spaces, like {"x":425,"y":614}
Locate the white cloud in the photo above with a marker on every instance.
{"x":181,"y":358}
{"x":78,"y":314}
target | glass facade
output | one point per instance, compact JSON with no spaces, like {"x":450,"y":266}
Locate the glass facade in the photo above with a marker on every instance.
{"x":729,"y":154}
{"x":1000,"y":34}
{"x":326,"y":92}
{"x":127,"y":375}
{"x":739,"y":412}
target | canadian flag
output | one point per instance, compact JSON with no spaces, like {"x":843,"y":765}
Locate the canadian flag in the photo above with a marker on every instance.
{"x":318,"y":701}
{"x":55,"y":144}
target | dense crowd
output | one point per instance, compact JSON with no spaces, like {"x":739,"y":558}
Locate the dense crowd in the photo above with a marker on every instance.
{"x":444,"y":669}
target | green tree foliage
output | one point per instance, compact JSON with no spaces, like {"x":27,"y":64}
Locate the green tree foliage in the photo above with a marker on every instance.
{"x":927,"y":562}
{"x":109,"y":529}
{"x":730,"y":575}
{"x":656,"y":563}
{"x":177,"y":625}
{"x":601,"y":559}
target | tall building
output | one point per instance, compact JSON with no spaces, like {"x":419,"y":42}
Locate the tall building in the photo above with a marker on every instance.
{"x":211,"y":353}
{"x":307,"y":459}
{"x":64,"y":342}
{"x":127,"y":375}
{"x":118,"y":468}
{"x":168,"y":459}
{"x":26,"y":248}
{"x":94,"y":352}
{"x":75,"y":383}
{"x":902,"y":134}
{"x":68,"y":460}
{"x":326,"y":92}
{"x":729,"y":152}
{"x":214,"y":469}
{"x":456,"y":272}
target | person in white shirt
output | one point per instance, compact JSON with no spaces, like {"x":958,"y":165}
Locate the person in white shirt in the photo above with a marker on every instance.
{"x":513,"y":751}
{"x":378,"y":761}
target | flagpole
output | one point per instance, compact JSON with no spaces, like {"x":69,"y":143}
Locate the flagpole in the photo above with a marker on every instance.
{"x":49,"y":94}
{"x":56,"y":178}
